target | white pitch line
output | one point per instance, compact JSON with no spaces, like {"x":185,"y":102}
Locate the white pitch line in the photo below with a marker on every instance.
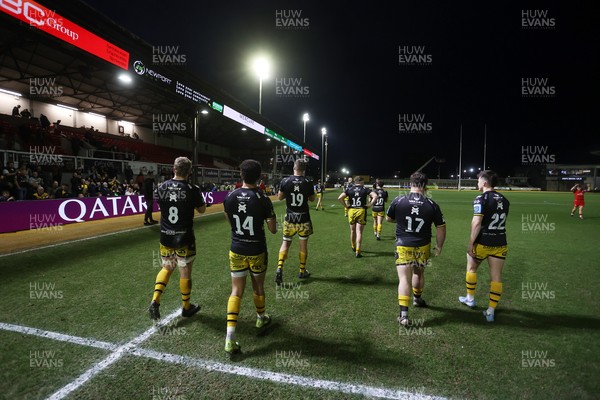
{"x":130,"y":348}
{"x":283,"y":378}
{"x":58,"y":336}
{"x":111,"y":359}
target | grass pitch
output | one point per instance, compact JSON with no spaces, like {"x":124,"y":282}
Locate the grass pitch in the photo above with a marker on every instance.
{"x":338,"y":325}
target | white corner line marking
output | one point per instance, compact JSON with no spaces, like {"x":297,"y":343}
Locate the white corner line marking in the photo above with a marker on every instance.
{"x":131,"y":348}
{"x":111,"y":359}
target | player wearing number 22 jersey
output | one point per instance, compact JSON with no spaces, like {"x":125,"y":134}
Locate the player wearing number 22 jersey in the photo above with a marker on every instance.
{"x":487,"y":241}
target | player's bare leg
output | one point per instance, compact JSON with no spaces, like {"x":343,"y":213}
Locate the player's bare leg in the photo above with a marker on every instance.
{"x":496,"y":265}
{"x":359,"y":231}
{"x":404,"y":286}
{"x":353,"y":236}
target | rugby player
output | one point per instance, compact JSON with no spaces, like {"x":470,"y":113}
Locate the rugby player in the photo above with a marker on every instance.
{"x":359,"y":199}
{"x":319,"y":191}
{"x":487,"y":241}
{"x":247,"y":209}
{"x":413,"y":214}
{"x":378,"y":211}
{"x":177,"y":200}
{"x":297,"y":191}
{"x":347,"y":185}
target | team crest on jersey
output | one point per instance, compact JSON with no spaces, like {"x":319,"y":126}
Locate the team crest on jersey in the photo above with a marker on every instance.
{"x":242,"y":208}
{"x":414,"y":210}
{"x":500,"y":206}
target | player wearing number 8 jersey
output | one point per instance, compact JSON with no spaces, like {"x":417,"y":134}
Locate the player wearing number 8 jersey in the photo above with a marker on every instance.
{"x":359,"y":199}
{"x":487,"y":241}
{"x":414,"y":213}
{"x":297,"y":192}
{"x":177,"y":200}
{"x":247,"y":209}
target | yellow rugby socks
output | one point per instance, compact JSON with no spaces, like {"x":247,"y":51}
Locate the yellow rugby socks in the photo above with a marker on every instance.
{"x":259,"y":302}
{"x":161,"y":283}
{"x":471,"y":281}
{"x":233,"y":310}
{"x":282,"y":257}
{"x":303,"y":257}
{"x":495,"y":294}
{"x":403,"y":301}
{"x":417,"y":292}
{"x":185,"y":285}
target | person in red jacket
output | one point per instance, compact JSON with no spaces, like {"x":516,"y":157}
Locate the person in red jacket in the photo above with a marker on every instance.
{"x":579,"y":192}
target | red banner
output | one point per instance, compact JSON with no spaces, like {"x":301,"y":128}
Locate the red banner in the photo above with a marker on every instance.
{"x":40,"y":17}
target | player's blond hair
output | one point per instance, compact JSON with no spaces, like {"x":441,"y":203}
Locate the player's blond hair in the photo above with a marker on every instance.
{"x":182,"y":166}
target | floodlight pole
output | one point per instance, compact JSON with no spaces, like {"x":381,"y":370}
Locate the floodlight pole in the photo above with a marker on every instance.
{"x":325,"y":162}
{"x":460,"y":158}
{"x":323,"y":134}
{"x":484,"y":145}
{"x":260,"y":95}
{"x":195,"y":155}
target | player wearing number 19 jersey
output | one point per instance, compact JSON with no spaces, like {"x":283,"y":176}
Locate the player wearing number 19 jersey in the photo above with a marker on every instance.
{"x":177,"y":200}
{"x":487,"y":241}
{"x":247,"y":209}
{"x":297,"y":192}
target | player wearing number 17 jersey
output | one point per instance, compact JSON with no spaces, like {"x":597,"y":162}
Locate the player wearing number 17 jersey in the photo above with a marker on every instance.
{"x":487,"y":241}
{"x":414,"y":213}
{"x":247,"y":209}
{"x":297,"y":192}
{"x":177,"y":200}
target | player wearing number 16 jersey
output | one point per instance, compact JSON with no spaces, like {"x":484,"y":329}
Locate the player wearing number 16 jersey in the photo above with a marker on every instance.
{"x":177,"y":200}
{"x":247,"y":209}
{"x":487,"y":241}
{"x":359,"y":199}
{"x":297,"y":192}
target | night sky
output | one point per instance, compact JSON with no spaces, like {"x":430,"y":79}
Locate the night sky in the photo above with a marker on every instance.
{"x":475,"y":56}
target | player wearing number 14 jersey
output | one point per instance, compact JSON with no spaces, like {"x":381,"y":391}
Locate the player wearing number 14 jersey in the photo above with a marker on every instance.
{"x":247,"y":209}
{"x":177,"y":200}
{"x":297,"y":191}
{"x":487,"y":241}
